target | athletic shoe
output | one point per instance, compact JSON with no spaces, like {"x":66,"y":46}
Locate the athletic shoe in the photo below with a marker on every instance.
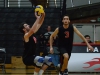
{"x":61,"y":73}
{"x":65,"y":72}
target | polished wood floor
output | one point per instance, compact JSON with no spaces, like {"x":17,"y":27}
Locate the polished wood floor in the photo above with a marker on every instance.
{"x":30,"y":72}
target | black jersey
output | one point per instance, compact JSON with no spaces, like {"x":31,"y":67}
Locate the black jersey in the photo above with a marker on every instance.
{"x":65,"y":36}
{"x":30,"y":47}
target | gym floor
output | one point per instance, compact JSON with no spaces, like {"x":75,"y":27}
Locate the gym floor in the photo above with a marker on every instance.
{"x":30,"y":72}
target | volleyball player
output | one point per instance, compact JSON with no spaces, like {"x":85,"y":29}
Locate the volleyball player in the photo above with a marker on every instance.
{"x":29,"y":56}
{"x":65,"y":42}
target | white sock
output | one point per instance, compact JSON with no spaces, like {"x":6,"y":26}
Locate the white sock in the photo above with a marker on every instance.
{"x":58,"y":65}
{"x":35,"y":73}
{"x":40,"y":72}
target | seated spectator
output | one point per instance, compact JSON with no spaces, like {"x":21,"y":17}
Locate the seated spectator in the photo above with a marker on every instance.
{"x":55,"y":56}
{"x":87,"y":37}
{"x":48,"y":33}
{"x":44,"y":37}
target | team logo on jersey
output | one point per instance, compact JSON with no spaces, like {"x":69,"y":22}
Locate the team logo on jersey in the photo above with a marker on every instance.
{"x":66,"y":34}
{"x":35,"y":39}
{"x":92,"y":63}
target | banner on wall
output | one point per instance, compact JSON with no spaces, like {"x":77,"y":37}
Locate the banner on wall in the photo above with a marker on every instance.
{"x":84,"y":49}
{"x":84,"y":62}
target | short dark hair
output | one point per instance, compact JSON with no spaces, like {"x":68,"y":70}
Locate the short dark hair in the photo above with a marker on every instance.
{"x":21,"y":27}
{"x":87,"y":36}
{"x":65,"y":15}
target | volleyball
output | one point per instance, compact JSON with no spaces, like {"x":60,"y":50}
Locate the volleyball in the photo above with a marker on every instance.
{"x":39,"y":9}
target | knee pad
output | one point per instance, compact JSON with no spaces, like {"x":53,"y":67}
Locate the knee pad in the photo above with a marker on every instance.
{"x":39,"y":61}
{"x":48,"y":60}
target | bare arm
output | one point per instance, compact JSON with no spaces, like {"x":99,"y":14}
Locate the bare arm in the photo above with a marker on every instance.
{"x":54,"y":34}
{"x":40,"y":22}
{"x":82,"y":37}
{"x":35,"y":26}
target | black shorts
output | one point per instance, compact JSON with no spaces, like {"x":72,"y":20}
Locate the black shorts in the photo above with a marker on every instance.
{"x":63,"y":50}
{"x":29,"y":60}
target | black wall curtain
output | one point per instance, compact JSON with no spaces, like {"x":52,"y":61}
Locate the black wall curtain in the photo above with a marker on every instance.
{"x":63,"y":10}
{"x":33,"y":2}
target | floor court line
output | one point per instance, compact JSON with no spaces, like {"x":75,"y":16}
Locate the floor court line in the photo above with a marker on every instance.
{"x":30,"y":72}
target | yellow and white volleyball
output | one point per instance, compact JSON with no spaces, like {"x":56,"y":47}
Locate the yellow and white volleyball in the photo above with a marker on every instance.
{"x":39,"y":9}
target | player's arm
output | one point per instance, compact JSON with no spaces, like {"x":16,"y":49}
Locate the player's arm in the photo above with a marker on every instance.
{"x":36,"y":25}
{"x":82,"y":37}
{"x":40,"y":22}
{"x":54,"y":34}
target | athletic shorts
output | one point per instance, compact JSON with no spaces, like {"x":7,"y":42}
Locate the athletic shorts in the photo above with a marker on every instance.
{"x":63,"y":50}
{"x":29,"y":60}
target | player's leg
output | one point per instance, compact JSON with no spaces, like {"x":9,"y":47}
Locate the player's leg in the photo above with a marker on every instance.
{"x":36,"y":70}
{"x":65,"y":63}
{"x":65,"y":57}
{"x":66,"y":68}
{"x":38,"y":64}
{"x":36,"y":61}
{"x":47,"y":63}
{"x":44,"y":67}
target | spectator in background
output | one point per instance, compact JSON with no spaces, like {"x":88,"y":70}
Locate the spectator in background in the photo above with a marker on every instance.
{"x":48,"y":33}
{"x":43,"y":38}
{"x":88,"y":38}
{"x":55,"y":57}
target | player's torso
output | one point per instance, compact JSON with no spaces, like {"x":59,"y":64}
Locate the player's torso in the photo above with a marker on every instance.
{"x":65,"y":36}
{"x":30,"y":46}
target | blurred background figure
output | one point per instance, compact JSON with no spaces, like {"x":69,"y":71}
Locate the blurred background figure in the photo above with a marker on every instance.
{"x":88,"y":38}
{"x":47,"y":34}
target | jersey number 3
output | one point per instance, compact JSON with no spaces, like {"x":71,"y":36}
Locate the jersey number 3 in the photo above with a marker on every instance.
{"x":66,"y":34}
